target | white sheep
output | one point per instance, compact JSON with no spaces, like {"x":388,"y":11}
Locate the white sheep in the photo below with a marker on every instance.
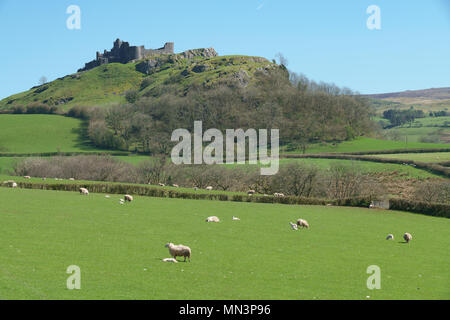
{"x":251,"y":192}
{"x":175,"y":185}
{"x":179,"y":250}
{"x":278,"y":195}
{"x":302,"y":223}
{"x":235,"y":218}
{"x":371,"y":205}
{"x":209,"y":188}
{"x":390,"y":237}
{"x":14,"y":185}
{"x":84,"y":191}
{"x":408,"y":237}
{"x":128,"y":198}
{"x":27,"y":177}
{"x":71,"y":179}
{"x":161,"y":184}
{"x":293,"y":226}
{"x":212,"y":219}
{"x":170,"y":260}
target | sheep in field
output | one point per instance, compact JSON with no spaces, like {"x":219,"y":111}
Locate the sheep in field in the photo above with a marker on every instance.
{"x":84,"y":191}
{"x":235,"y":218}
{"x":71,"y":179}
{"x":212,"y":219}
{"x":14,"y":185}
{"x":251,"y":192}
{"x":303,"y":223}
{"x":161,"y":184}
{"x":128,"y":198}
{"x":408,"y":237}
{"x":170,"y":260}
{"x":10,"y":183}
{"x":209,"y":188}
{"x":293,"y":226}
{"x":390,"y":237}
{"x":195,"y":188}
{"x":27,"y":177}
{"x":175,"y":185}
{"x":179,"y":250}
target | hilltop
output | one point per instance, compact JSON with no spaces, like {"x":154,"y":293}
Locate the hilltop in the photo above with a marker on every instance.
{"x":109,"y":82}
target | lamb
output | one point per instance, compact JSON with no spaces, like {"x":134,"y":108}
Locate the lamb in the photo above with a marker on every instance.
{"x":175,"y":185}
{"x":71,"y":179}
{"x":128,"y":198}
{"x":179,"y":250}
{"x":170,"y":260}
{"x":293,"y":226}
{"x":209,"y":188}
{"x":278,"y":195}
{"x":372,"y":205}
{"x":84,"y":191}
{"x":390,"y":237}
{"x":212,"y":219}
{"x":250,"y":192}
{"x":408,"y":237}
{"x":303,"y":223}
{"x":235,"y":218}
{"x":14,"y":185}
{"x":10,"y":183}
{"x":161,"y":184}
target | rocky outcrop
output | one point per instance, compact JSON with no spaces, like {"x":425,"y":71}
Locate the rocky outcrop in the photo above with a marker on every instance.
{"x":205,"y":52}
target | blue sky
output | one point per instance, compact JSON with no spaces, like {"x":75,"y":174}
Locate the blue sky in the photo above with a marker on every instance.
{"x":325,"y":40}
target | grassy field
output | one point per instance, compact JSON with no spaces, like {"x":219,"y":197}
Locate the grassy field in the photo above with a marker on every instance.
{"x":119,"y":250}
{"x":39,"y":133}
{"x":367,"y":144}
{"x":407,"y":135}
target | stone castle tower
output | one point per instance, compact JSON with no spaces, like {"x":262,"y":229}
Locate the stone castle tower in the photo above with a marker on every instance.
{"x":122,"y":52}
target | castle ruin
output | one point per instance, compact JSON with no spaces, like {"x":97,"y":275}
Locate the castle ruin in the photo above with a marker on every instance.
{"x":122,"y":52}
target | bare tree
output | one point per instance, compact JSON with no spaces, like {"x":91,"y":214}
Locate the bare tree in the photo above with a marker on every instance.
{"x":42,"y":80}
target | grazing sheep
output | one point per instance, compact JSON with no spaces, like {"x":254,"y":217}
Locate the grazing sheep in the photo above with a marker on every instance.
{"x":236,"y":218}
{"x":84,"y":191}
{"x":408,"y":237}
{"x":71,"y":179}
{"x":371,"y":205}
{"x":212,"y":219}
{"x":161,"y":184}
{"x":278,"y":195}
{"x":250,"y":192}
{"x":175,"y":185}
{"x":390,"y":237}
{"x":293,"y":226}
{"x":107,"y":196}
{"x":179,"y":250}
{"x":128,"y":198}
{"x":27,"y":177}
{"x":209,"y":188}
{"x":303,"y":223}
{"x":170,"y":260}
{"x":10,"y":183}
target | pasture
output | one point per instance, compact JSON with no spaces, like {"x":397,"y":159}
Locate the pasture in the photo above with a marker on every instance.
{"x":119,"y":250}
{"x":39,"y":133}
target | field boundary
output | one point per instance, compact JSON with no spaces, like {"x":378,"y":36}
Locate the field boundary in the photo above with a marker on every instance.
{"x":430,"y":167}
{"x":433,"y":209}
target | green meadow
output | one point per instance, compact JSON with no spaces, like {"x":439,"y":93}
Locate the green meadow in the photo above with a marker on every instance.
{"x":119,"y":250}
{"x":40,"y":133}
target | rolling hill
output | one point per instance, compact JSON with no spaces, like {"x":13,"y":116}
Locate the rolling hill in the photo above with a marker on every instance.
{"x":109,"y":83}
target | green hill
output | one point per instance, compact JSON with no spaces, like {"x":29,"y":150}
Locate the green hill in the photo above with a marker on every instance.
{"x":110,"y":82}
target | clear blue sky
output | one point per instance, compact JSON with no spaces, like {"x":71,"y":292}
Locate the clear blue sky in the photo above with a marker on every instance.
{"x":325,"y":40}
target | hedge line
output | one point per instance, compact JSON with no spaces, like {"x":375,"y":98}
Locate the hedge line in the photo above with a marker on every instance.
{"x":430,"y":167}
{"x":429,"y":209}
{"x":439,"y":210}
{"x":65,"y":154}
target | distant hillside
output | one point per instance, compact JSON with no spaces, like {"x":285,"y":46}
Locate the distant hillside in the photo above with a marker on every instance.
{"x":110,"y":82}
{"x":433,"y":96}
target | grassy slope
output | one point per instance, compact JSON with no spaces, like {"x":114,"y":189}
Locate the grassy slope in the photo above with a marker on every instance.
{"x":109,"y":83}
{"x":41,"y":133}
{"x":119,"y":248}
{"x":424,"y":157}
{"x":367,"y":144}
